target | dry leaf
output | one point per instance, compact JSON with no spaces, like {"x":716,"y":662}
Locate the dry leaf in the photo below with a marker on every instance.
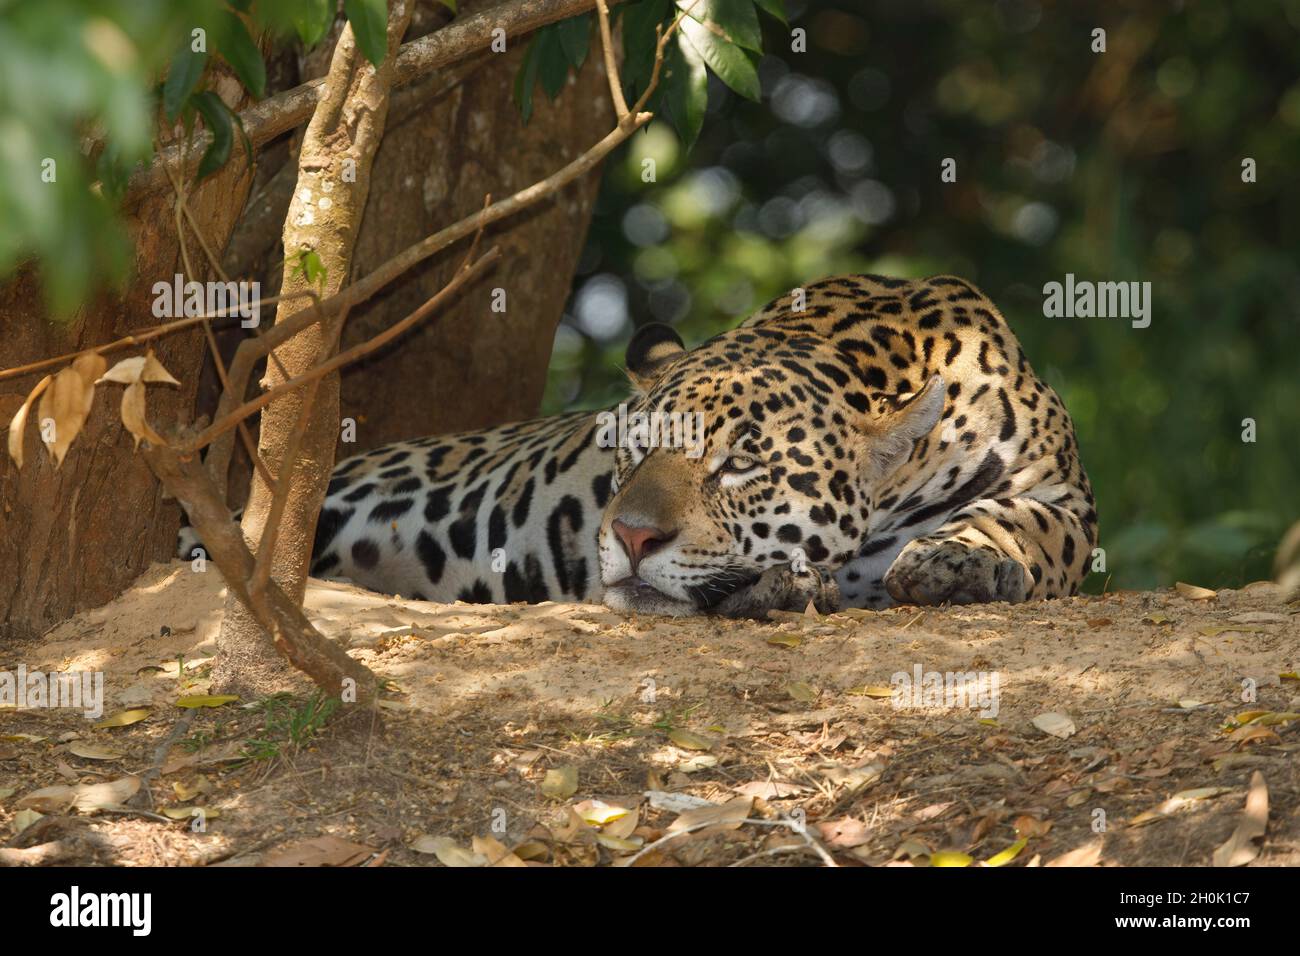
{"x":186,"y":813}
{"x":800,"y":691}
{"x":206,"y":700}
{"x":598,"y":813}
{"x":448,"y":852}
{"x":855,"y":778}
{"x":1087,"y":855}
{"x":18,"y":424}
{"x":321,"y":851}
{"x":495,"y":852}
{"x":846,"y":833}
{"x":1007,"y":855}
{"x":912,"y":849}
{"x":139,"y":368}
{"x":1175,"y":803}
{"x":68,"y":401}
{"x":675,"y":802}
{"x":690,"y":740}
{"x":561,"y":783}
{"x":133,"y":416}
{"x":25,"y":818}
{"x":1241,"y":847}
{"x":623,"y":844}
{"x":1252,"y":733}
{"x":48,"y":799}
{"x":1027,"y":826}
{"x":784,"y":640}
{"x":86,"y":797}
{"x":134,"y":373}
{"x":1055,"y":724}
{"x":125,"y":719}
{"x":870,"y":690}
{"x":89,"y":751}
{"x":1194,"y":592}
{"x":1214,"y":630}
{"x":727,"y":816}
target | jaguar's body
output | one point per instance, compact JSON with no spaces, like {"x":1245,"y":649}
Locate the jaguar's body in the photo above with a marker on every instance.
{"x":889,"y":434}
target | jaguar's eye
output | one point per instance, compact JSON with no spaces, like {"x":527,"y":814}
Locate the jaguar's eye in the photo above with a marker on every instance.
{"x":739,"y":463}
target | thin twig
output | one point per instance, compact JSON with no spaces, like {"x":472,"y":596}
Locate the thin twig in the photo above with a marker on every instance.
{"x":182,"y":210}
{"x":150,"y":333}
{"x":611,"y":68}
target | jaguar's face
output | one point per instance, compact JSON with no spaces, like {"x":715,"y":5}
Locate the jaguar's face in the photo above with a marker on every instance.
{"x":740,"y":456}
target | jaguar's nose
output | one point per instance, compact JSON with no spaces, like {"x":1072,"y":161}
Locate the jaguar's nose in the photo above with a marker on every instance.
{"x":638,"y":542}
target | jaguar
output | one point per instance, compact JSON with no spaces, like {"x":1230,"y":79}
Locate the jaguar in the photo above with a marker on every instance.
{"x":863,"y":441}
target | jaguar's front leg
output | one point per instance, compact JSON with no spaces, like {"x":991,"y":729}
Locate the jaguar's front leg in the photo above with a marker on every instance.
{"x":1011,"y":549}
{"x":781,"y":588}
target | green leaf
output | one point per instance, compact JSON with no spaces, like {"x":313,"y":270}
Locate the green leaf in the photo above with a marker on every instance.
{"x":239,"y":50}
{"x":552,"y":63}
{"x":575,"y":38}
{"x":310,"y":266}
{"x":525,"y":81}
{"x":729,"y":61}
{"x":450,"y":5}
{"x":732,"y":20}
{"x":182,"y":77}
{"x":775,"y":7}
{"x":217,"y":117}
{"x":639,"y":22}
{"x":312,"y":20}
{"x":369,"y":19}
{"x":686,"y":90}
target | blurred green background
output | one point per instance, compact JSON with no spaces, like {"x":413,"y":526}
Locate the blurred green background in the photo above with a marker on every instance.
{"x":1116,"y":166}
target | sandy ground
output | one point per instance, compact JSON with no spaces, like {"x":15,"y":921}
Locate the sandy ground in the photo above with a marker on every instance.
{"x":1121,"y":733}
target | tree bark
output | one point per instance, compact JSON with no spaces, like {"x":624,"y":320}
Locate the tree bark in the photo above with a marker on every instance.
{"x":473,"y":367}
{"x":334,"y":174}
{"x":76,"y":537}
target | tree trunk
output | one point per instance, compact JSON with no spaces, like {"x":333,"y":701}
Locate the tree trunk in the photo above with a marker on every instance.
{"x":75,"y":538}
{"x":334,"y":176}
{"x":471,"y":367}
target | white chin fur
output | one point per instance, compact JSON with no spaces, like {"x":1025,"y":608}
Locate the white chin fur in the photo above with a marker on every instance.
{"x":629,"y":600}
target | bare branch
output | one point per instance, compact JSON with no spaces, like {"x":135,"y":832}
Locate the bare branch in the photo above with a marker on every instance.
{"x":148,"y":335}
{"x":611,"y":66}
{"x":322,"y":660}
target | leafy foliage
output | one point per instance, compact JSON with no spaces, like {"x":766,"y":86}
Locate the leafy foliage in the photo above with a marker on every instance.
{"x":718,"y":35}
{"x":83,"y":84}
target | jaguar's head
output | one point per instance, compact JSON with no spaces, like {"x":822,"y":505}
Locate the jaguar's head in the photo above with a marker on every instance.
{"x":759,"y":448}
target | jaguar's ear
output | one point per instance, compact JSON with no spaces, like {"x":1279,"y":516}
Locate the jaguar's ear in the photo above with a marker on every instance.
{"x":900,"y":424}
{"x":651,"y":351}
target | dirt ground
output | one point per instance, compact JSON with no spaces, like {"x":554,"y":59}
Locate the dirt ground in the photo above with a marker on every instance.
{"x":1124,"y":734}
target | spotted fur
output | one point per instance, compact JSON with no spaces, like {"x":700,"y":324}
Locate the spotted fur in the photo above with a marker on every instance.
{"x":888,"y":442}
